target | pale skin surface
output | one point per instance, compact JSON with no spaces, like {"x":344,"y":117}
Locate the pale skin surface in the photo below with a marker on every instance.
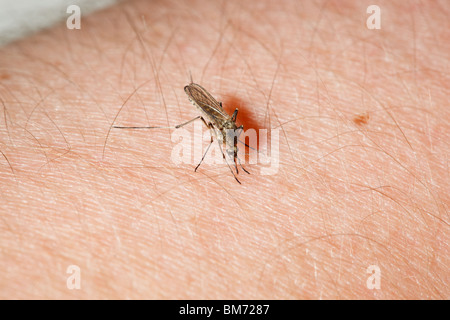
{"x":364,"y":144}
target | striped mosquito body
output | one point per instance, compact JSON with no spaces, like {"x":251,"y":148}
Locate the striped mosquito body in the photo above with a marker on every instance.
{"x":221,"y":125}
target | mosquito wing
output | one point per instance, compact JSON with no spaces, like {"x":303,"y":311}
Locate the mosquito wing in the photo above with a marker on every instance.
{"x":203,"y":100}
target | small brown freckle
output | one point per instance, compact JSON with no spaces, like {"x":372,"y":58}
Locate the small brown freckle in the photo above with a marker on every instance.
{"x":5,"y":76}
{"x":361,"y":119}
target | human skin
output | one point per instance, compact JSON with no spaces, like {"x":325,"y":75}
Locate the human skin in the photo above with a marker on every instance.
{"x":363,"y":179}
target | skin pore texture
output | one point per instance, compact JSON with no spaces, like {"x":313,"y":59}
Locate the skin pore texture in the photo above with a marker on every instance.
{"x":361,"y":193}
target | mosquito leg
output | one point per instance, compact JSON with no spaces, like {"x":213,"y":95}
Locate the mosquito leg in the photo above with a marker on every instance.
{"x":241,"y":128}
{"x":204,"y":155}
{"x":242,"y":166}
{"x":209,"y":146}
{"x":239,"y":160}
{"x":223,"y":154}
{"x":176,"y":127}
{"x":204,"y":121}
{"x":236,"y":139}
{"x":183,"y":124}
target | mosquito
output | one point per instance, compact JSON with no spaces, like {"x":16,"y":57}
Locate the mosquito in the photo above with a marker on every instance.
{"x":221,"y":125}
